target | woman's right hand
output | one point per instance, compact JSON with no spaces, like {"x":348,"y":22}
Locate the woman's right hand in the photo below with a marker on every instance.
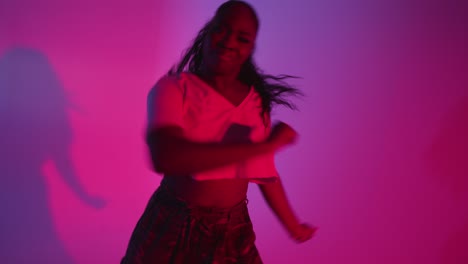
{"x":303,"y":232}
{"x":281,"y":135}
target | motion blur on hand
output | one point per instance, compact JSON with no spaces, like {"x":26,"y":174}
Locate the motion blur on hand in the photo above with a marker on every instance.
{"x":282,"y":135}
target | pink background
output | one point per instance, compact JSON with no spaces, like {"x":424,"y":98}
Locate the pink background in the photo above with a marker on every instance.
{"x":382,"y":161}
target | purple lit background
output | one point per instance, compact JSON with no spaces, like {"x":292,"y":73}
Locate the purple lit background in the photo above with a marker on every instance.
{"x":381,"y":166}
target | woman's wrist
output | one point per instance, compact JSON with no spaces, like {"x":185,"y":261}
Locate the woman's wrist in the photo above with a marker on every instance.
{"x":293,"y":226}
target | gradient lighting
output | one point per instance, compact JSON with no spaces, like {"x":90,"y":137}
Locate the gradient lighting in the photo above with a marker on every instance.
{"x":380,"y":166}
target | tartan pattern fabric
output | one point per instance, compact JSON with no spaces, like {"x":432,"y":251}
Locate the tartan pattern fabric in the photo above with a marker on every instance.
{"x":171,"y":232}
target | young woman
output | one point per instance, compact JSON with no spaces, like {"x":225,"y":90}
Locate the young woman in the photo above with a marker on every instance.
{"x":210,"y":135}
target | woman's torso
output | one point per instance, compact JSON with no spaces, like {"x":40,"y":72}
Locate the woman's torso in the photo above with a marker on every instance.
{"x":211,"y":193}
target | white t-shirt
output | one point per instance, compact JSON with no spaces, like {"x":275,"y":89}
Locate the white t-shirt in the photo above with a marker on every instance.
{"x":206,"y":116}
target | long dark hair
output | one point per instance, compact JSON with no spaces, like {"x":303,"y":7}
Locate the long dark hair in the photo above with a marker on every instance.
{"x":272,"y":89}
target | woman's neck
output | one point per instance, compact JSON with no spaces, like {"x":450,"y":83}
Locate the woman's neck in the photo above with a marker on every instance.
{"x":220,"y":82}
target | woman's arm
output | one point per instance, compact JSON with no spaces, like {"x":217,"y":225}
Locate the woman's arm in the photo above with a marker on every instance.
{"x":275,"y":196}
{"x":172,"y":154}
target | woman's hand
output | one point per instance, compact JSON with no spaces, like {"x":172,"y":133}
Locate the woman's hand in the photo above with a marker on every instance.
{"x":281,"y":135}
{"x":302,"y":232}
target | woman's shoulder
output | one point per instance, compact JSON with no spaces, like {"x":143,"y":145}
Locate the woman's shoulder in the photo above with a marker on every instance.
{"x":177,"y":78}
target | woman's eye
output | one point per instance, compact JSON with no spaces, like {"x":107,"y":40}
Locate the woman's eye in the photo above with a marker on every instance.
{"x":244,"y":40}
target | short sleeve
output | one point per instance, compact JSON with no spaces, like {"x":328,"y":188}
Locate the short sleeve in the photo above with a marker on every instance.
{"x":165,"y":103}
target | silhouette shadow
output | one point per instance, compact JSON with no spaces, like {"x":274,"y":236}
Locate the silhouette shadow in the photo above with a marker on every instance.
{"x":34,"y":128}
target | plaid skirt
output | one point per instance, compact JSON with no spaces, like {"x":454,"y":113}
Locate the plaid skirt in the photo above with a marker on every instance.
{"x":172,"y":232}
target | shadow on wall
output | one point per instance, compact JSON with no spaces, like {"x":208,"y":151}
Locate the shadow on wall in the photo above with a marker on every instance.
{"x":34,"y":128}
{"x":448,"y":162}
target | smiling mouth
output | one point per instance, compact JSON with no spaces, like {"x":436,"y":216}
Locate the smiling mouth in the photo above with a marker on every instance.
{"x":225,"y":56}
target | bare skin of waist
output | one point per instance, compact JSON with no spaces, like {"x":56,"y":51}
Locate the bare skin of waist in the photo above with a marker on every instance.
{"x":212,"y":193}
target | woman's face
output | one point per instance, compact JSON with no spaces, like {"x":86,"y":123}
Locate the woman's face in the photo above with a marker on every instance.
{"x":230,"y":40}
